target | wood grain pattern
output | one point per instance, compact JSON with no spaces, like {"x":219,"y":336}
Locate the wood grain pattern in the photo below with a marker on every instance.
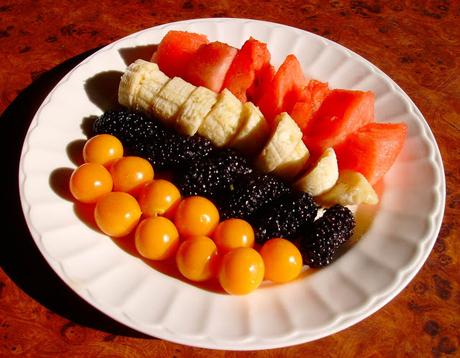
{"x":417,"y":43}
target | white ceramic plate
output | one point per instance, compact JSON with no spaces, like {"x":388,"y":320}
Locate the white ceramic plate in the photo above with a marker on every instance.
{"x":366,"y":277}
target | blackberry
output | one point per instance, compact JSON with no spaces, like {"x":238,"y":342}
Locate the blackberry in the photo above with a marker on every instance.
{"x":322,"y":239}
{"x":172,"y":150}
{"x":250,"y":193}
{"x":213,"y":176}
{"x":284,"y":217}
{"x":129,"y":127}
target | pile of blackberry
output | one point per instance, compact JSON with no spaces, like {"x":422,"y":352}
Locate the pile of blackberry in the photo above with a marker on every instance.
{"x":148,"y":138}
{"x":284,"y":217}
{"x":224,"y":176}
{"x":213,"y":176}
{"x":250,"y":193}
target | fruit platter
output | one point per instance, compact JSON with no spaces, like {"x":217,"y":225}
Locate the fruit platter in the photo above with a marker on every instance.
{"x":243,"y":185}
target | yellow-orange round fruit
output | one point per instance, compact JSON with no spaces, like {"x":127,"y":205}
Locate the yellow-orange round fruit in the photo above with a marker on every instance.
{"x":130,"y":174}
{"x":241,"y":271}
{"x":89,"y":182}
{"x":102,"y":149}
{"x":117,"y":214}
{"x":233,"y":233}
{"x":159,"y":197}
{"x":282,"y":259}
{"x":156,"y":238}
{"x":197,"y":258}
{"x":196,"y":216}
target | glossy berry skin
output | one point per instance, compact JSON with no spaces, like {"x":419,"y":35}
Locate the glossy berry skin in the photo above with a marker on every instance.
{"x":156,"y":238}
{"x":282,"y":259}
{"x":233,"y":233}
{"x":102,"y":149}
{"x":130,"y":174}
{"x":89,"y":182}
{"x":117,"y":214}
{"x":196,"y":216}
{"x":197,"y":258}
{"x":241,"y":271}
{"x":159,"y":197}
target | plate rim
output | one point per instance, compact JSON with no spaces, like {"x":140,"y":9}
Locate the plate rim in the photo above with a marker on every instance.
{"x":382,"y":298}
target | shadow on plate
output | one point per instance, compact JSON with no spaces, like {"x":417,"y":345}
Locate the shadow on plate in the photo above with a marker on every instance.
{"x":131,"y":54}
{"x":19,"y":255}
{"x":102,"y":89}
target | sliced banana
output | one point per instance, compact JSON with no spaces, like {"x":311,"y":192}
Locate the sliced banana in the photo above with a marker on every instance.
{"x":194,"y":110}
{"x":170,"y":98}
{"x":253,"y":132}
{"x":281,"y":144}
{"x":140,"y":83}
{"x":322,"y":177}
{"x":352,"y":188}
{"x":294,"y":163}
{"x":223,"y":121}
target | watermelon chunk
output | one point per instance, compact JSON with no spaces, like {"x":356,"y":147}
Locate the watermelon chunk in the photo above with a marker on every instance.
{"x":372,"y":149}
{"x":175,"y":51}
{"x":209,"y":65}
{"x":341,"y":113}
{"x":252,"y":57}
{"x":284,"y":90}
{"x":313,"y":95}
{"x":261,"y":81}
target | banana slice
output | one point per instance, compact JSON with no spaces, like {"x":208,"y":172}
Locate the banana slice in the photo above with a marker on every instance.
{"x":194,"y":110}
{"x":170,"y":98}
{"x":294,"y":163}
{"x":352,"y":188}
{"x":222,"y":123}
{"x":254,"y":130}
{"x":140,"y":83}
{"x":322,"y":177}
{"x":281,"y":144}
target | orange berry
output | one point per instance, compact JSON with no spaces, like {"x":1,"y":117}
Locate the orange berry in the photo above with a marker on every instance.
{"x":102,"y":149}
{"x":196,"y":216}
{"x":196,"y":258}
{"x":156,"y":238}
{"x":241,"y":271}
{"x":159,"y":197}
{"x":117,"y":214}
{"x":89,"y":182}
{"x":282,"y":259}
{"x":130,"y":174}
{"x":233,"y":233}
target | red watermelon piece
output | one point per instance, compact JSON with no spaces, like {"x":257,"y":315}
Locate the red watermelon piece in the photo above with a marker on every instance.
{"x":262,"y":80}
{"x":252,"y":57}
{"x":372,"y":149}
{"x":209,"y":65}
{"x":175,"y":51}
{"x":312,"y":97}
{"x":341,"y":113}
{"x":284,"y":90}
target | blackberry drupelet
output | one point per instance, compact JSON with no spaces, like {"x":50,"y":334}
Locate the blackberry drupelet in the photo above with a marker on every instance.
{"x":213,"y":177}
{"x":284,"y":217}
{"x":325,"y":235}
{"x":250,"y":193}
{"x":129,"y":127}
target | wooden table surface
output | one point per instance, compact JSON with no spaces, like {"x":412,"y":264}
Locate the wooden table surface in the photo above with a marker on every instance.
{"x":417,"y":43}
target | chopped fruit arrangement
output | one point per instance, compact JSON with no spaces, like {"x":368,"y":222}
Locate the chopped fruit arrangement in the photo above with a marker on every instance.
{"x":247,"y":147}
{"x":166,"y":226}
